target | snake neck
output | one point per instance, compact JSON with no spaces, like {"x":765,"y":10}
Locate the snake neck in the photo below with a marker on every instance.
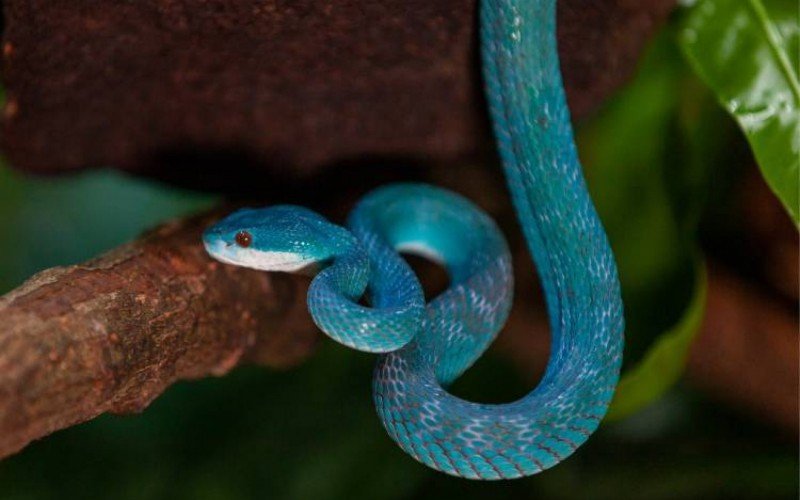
{"x":575,"y":266}
{"x":346,"y":271}
{"x":535,"y":140}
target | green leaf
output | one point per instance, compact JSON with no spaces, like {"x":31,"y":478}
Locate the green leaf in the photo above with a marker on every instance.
{"x":746,"y":51}
{"x":664,"y":362}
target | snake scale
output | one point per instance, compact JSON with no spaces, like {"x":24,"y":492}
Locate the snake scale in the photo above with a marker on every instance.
{"x":424,"y":347}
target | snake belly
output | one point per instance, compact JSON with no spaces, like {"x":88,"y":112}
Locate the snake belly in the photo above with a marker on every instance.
{"x":426,"y":347}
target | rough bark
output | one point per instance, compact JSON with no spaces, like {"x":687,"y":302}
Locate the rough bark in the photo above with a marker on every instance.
{"x":111,"y":334}
{"x":215,"y":93}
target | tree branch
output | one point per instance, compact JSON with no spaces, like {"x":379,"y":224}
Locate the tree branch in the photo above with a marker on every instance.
{"x":111,"y":334}
{"x":281,"y":88}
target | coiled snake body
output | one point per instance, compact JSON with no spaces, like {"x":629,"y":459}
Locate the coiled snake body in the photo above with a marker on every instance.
{"x":426,"y":347}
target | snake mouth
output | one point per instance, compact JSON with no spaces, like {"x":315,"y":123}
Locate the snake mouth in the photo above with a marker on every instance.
{"x":289,"y":262}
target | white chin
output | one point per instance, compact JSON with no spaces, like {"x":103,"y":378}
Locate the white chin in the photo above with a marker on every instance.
{"x":286,"y":262}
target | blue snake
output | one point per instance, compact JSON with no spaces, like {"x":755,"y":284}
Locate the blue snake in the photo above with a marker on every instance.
{"x":425,"y":347}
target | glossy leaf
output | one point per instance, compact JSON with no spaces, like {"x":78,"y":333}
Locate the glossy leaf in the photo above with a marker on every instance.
{"x":746,"y":51}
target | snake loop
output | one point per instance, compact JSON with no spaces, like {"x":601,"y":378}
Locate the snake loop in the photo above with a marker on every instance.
{"x":426,"y":347}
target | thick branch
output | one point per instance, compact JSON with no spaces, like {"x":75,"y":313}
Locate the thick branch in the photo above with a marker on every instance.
{"x":273,"y":87}
{"x":111,"y":334}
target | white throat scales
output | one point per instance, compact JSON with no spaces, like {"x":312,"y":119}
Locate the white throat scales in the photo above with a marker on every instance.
{"x":264,"y":260}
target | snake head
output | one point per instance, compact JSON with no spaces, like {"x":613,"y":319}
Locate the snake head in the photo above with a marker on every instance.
{"x":278,"y":238}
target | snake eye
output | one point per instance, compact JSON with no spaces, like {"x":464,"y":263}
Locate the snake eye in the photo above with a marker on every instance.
{"x":244,"y":239}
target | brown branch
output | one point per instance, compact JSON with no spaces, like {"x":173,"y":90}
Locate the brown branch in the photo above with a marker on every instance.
{"x":111,"y":334}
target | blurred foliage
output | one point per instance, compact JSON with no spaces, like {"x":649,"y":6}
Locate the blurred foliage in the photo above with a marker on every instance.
{"x":58,"y":221}
{"x":747,"y":52}
{"x":652,"y":154}
{"x":665,"y":360}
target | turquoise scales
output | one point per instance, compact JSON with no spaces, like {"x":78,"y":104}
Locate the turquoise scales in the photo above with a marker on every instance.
{"x":427,"y":347}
